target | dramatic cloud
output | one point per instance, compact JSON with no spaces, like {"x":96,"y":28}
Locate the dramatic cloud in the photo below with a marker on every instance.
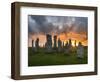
{"x":39,"y":24}
{"x":56,"y":24}
{"x":64,"y":27}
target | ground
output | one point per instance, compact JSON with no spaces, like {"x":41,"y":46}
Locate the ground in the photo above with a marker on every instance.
{"x":42,"y":58}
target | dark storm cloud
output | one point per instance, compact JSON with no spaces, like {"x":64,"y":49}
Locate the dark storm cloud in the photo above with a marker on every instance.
{"x":56,"y":24}
{"x":82,"y":24}
{"x":39,"y":25}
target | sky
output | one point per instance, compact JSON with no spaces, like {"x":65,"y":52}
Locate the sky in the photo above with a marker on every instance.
{"x":65,"y":27}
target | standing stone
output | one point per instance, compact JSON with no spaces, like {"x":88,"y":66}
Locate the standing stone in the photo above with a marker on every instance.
{"x":48,"y":43}
{"x":59,"y":45}
{"x":37,"y":44}
{"x":33,"y":45}
{"x":70,"y":45}
{"x":66,"y":45}
{"x":70,"y":42}
{"x":75,"y":43}
{"x":66,"y":48}
{"x":55,"y":42}
{"x":63,"y":45}
{"x":80,"y":50}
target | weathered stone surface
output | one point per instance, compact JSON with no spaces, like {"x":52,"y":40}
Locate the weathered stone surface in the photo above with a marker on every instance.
{"x":32,"y":43}
{"x":55,"y":41}
{"x":66,"y":50}
{"x":80,"y":50}
{"x":48,"y":44}
{"x":37,"y":44}
{"x":75,"y":43}
{"x":59,"y":45}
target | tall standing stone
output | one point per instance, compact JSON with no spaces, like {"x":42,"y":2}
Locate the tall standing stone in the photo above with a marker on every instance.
{"x":66,"y":50}
{"x":70,"y":45}
{"x":66,"y":45}
{"x":55,"y":41}
{"x":70,"y":42}
{"x":63,"y":45}
{"x":32,"y":43}
{"x":48,"y":43}
{"x":75,"y":43}
{"x":37,"y":44}
{"x":59,"y":45}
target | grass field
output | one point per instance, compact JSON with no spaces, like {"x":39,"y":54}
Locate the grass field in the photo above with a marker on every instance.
{"x":42,"y":58}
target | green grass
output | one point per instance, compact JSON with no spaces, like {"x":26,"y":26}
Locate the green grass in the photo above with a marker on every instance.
{"x":42,"y":58}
